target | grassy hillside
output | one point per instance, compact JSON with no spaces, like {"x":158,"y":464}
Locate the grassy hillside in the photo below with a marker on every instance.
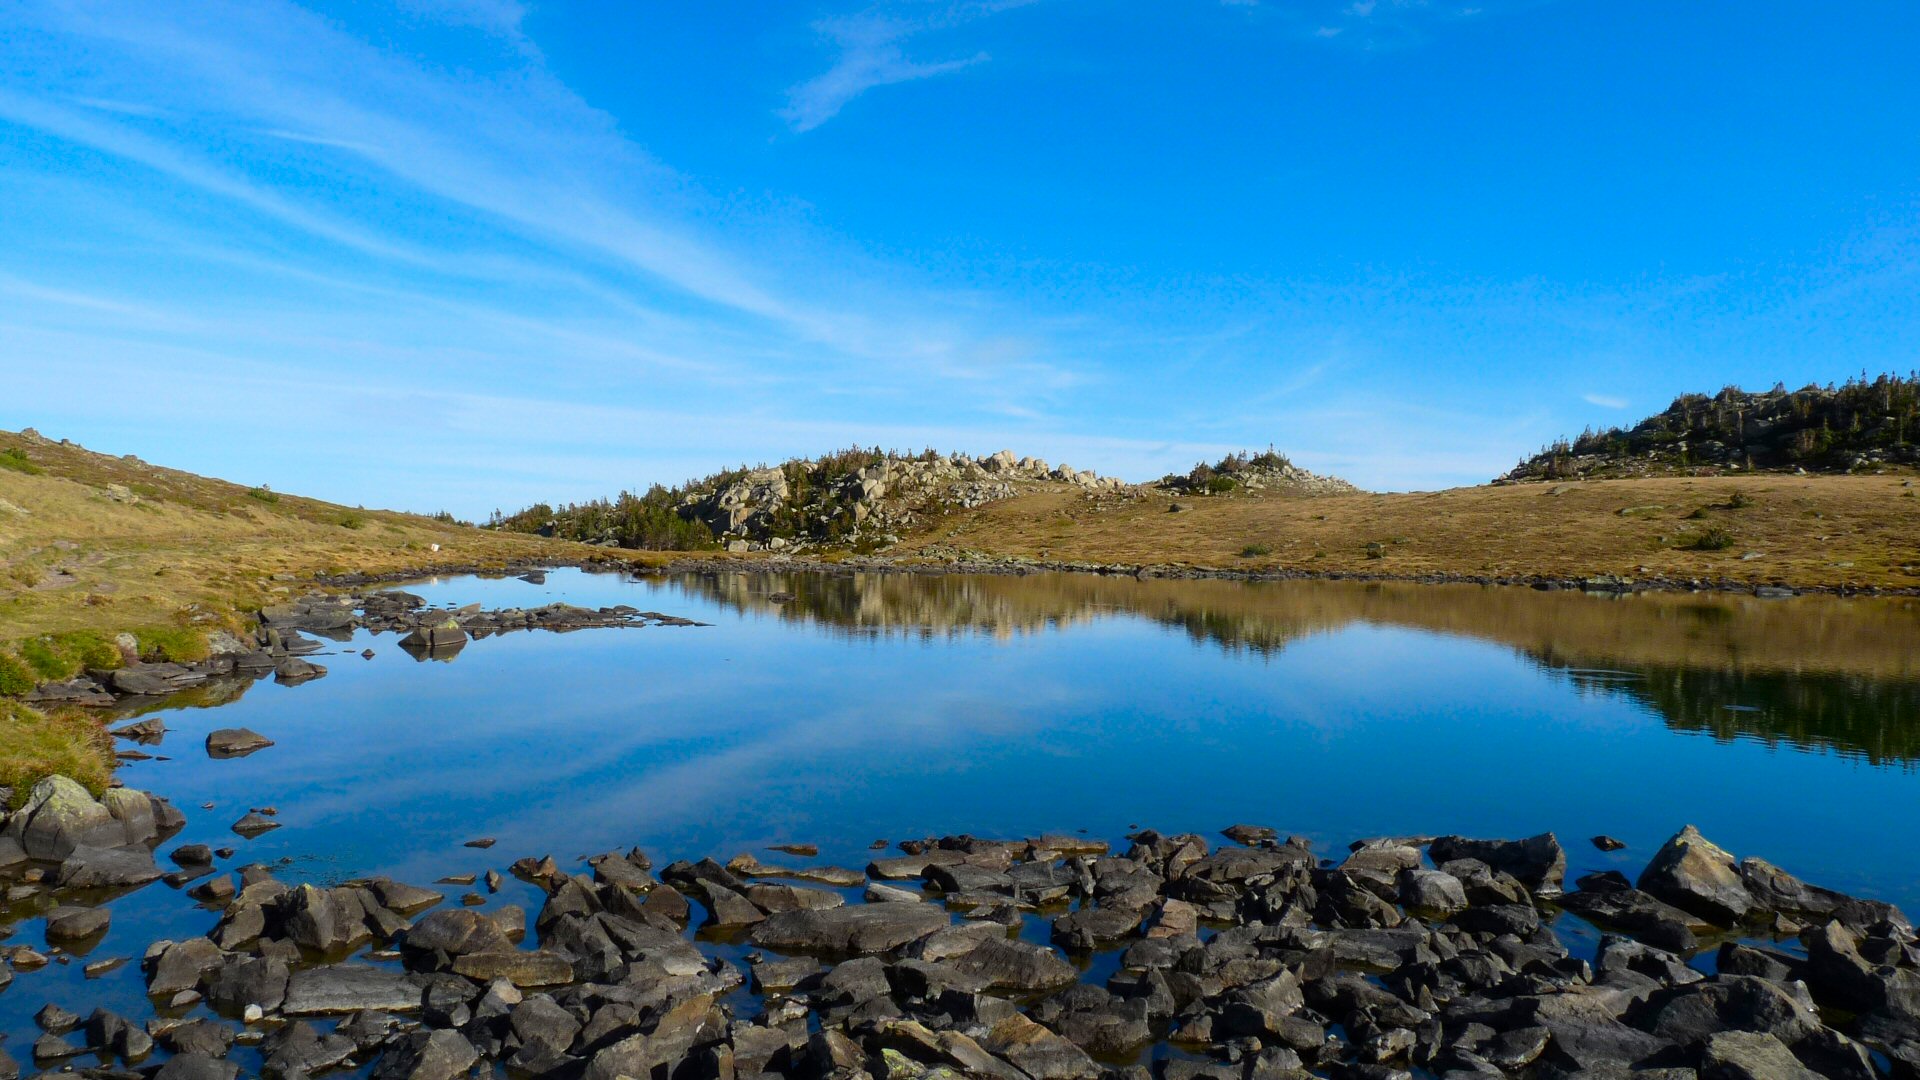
{"x":1795,"y":530}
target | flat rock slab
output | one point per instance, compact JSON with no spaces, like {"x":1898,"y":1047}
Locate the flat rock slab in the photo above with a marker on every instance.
{"x":235,"y":742}
{"x":347,"y":988}
{"x":856,"y":930}
{"x":107,"y":868}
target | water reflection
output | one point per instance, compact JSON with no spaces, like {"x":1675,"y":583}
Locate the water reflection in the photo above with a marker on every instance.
{"x":1814,"y":672}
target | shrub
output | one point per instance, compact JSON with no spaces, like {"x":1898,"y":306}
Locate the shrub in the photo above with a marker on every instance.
{"x":1711,"y":538}
{"x":15,"y":678}
{"x":16,"y":459}
{"x":1252,"y":551}
{"x":1740,"y":501}
{"x":353,"y":520}
{"x":264,"y":494}
{"x":1221,"y":483}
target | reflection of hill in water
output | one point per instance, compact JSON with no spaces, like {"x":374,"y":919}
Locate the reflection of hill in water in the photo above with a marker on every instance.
{"x":1815,"y":672}
{"x":1874,"y":718}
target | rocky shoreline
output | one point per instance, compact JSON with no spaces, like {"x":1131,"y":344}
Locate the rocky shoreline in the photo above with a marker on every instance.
{"x":278,"y":645}
{"x":1168,"y":957}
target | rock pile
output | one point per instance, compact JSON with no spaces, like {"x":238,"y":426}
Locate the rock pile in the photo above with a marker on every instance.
{"x":762,"y":509}
{"x":1257,"y":960}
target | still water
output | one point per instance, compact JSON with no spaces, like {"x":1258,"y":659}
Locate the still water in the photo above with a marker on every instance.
{"x":841,"y":710}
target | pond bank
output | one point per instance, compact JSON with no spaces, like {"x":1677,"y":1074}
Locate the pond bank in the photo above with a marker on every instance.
{"x":1047,"y":958}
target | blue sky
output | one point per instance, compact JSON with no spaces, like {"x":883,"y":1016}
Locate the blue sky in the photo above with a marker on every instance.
{"x":473,"y":253}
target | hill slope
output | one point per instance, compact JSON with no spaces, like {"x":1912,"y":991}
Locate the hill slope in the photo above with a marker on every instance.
{"x":1801,"y":531}
{"x":90,"y":542}
{"x":1859,"y":426}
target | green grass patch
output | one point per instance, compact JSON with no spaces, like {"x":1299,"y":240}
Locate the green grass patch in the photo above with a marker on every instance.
{"x":56,"y":657}
{"x":15,"y":677}
{"x":177,"y":644}
{"x":35,"y":745}
{"x":263,"y":494}
{"x":45,"y":660}
{"x":1254,"y":551}
{"x":353,"y":521}
{"x":15,"y":459}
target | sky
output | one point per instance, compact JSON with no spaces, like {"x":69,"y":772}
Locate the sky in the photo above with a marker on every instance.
{"x":473,"y":254}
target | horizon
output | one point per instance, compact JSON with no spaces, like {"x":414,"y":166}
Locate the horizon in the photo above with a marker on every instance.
{"x":477,"y":254}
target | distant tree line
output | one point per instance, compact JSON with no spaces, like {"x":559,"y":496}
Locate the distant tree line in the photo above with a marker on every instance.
{"x":1817,"y":428}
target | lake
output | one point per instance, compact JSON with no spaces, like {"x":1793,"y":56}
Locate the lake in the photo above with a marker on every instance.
{"x":844,"y":710}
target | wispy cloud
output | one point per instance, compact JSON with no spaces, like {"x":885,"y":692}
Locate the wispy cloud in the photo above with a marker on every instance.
{"x":1374,"y":24}
{"x":872,"y":53}
{"x":1605,"y":401}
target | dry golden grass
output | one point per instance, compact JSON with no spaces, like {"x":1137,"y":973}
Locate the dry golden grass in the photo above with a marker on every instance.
{"x":1796,"y":530}
{"x":192,"y":550}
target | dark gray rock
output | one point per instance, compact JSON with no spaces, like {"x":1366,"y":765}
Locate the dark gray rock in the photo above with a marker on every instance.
{"x":70,"y":924}
{"x":87,"y":867}
{"x":111,"y":1033}
{"x":859,"y":929}
{"x":349,"y":988}
{"x":1691,"y":1014}
{"x":455,"y":932}
{"x":197,"y":1066}
{"x":299,"y":1049}
{"x":1538,"y":862}
{"x":427,"y":1055}
{"x":241,"y":982}
{"x":207,"y":1037}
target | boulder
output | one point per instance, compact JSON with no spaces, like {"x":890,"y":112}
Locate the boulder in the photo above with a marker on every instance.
{"x":1751,"y":1055}
{"x":1431,"y":892}
{"x":181,"y":965}
{"x":59,"y":816}
{"x":456,"y":932}
{"x":70,"y":924}
{"x":1692,"y":874}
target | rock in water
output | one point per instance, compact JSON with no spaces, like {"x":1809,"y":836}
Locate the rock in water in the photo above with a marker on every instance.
{"x":855,"y":930}
{"x":1692,"y":874}
{"x":235,"y":742}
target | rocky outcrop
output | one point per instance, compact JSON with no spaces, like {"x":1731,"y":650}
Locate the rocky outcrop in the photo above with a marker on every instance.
{"x":805,"y":503}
